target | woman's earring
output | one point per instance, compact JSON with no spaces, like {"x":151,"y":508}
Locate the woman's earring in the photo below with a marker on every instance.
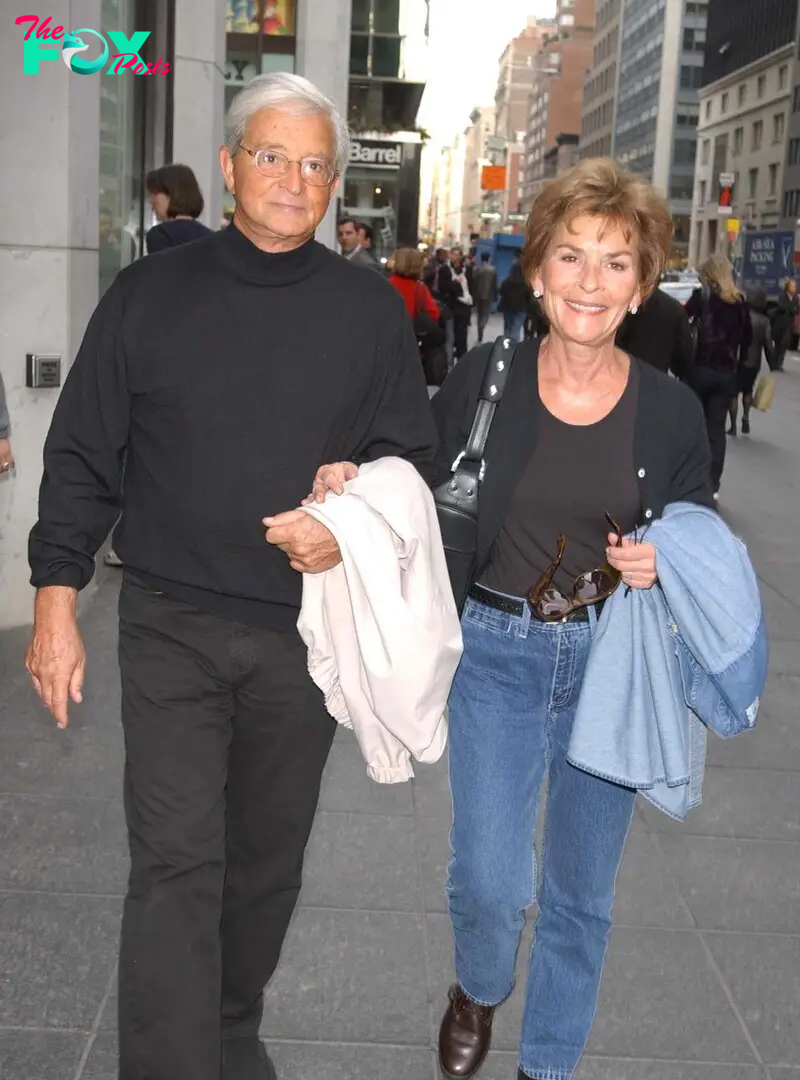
{"x":634,"y":309}
{"x":537,"y":293}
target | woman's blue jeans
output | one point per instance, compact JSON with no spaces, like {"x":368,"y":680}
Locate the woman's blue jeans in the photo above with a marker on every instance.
{"x":511,"y":711}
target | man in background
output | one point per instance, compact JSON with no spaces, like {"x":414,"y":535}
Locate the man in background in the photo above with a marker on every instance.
{"x":439,"y":279}
{"x":484,"y":292}
{"x":659,"y":333}
{"x":348,"y":231}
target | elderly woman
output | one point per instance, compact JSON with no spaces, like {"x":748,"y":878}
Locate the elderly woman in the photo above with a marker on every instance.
{"x":587,"y":445}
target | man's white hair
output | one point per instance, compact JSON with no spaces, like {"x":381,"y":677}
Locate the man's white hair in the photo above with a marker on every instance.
{"x":293,"y":93}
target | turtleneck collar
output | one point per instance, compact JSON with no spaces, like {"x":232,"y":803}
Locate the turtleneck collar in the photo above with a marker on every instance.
{"x":264,"y":268}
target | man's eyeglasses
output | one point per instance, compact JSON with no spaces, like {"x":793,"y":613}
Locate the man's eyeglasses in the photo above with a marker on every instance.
{"x":315,"y":171}
{"x":551,"y":605}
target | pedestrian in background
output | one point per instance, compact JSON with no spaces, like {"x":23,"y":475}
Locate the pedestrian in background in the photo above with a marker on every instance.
{"x":750,"y":361}
{"x":424,"y":312}
{"x":348,"y":232}
{"x":219,"y":373}
{"x":484,"y":292}
{"x":724,"y":333}
{"x":461,"y":300}
{"x":514,"y":295}
{"x":177,"y":203}
{"x":660,"y":334}
{"x":783,"y":321}
{"x":6,"y":453}
{"x":439,"y":279}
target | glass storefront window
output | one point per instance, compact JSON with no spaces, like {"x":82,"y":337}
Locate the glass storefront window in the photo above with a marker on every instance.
{"x":386,"y":17}
{"x":371,"y":197}
{"x":120,"y":203}
{"x":360,"y":17}
{"x":359,"y":54}
{"x":386,"y":56}
{"x":277,"y":17}
{"x":242,"y":17}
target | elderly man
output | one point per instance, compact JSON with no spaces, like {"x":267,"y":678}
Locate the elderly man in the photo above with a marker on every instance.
{"x":203,"y":372}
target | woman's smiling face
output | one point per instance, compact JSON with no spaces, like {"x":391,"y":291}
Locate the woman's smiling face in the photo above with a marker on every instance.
{"x":589,"y":279}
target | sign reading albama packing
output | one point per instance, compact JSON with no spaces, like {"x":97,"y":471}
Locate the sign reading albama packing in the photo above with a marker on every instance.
{"x":379,"y":155}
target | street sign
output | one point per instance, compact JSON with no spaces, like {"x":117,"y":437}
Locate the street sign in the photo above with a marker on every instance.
{"x":724,"y":211}
{"x":493,"y":177}
{"x":727,"y":179}
{"x":768,"y":259}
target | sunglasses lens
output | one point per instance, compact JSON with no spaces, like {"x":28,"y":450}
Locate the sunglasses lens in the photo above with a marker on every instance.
{"x":595,"y":585}
{"x":553,"y":603}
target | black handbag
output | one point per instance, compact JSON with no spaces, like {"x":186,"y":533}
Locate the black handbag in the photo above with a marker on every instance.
{"x":457,"y":499}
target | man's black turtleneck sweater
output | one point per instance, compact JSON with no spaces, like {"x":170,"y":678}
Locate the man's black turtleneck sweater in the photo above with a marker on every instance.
{"x":220,"y":377}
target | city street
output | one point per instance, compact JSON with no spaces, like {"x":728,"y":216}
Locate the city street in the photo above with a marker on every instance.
{"x":702,"y":980}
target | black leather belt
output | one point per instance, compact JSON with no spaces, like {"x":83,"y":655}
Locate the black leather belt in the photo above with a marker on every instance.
{"x":511,"y":606}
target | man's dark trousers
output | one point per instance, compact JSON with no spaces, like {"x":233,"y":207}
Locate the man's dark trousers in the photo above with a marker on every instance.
{"x":226,"y":737}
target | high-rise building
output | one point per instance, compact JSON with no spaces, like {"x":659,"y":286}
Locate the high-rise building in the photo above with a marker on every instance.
{"x":745,"y":109}
{"x":660,"y":71}
{"x":556,"y":97}
{"x":514,"y":78}
{"x":790,"y":196}
{"x":600,"y":85}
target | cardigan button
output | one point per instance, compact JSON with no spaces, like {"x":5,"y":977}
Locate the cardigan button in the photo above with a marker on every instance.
{"x":648,"y":514}
{"x":641,"y":473}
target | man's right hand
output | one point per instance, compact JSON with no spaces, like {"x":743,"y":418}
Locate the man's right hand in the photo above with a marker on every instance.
{"x":56,"y":658}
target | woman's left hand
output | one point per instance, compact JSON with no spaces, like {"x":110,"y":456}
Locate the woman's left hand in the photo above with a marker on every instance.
{"x":636,"y":562}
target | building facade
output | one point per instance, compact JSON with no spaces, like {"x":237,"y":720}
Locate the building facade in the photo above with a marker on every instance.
{"x":790,"y":196}
{"x":745,"y":120}
{"x":476,"y":155}
{"x":514,"y":78}
{"x":82,"y":145}
{"x":555,"y":102}
{"x":660,"y":72}
{"x":743,"y":131}
{"x":600,"y":83}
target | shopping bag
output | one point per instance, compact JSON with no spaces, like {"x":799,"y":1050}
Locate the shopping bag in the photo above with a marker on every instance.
{"x":765,"y":393}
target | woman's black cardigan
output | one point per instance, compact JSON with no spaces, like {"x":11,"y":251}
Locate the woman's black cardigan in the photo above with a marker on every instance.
{"x":671,"y":451}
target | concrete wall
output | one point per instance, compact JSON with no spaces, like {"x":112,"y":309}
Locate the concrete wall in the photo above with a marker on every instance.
{"x":323,"y":56}
{"x":199,"y":102}
{"x":48,"y":259}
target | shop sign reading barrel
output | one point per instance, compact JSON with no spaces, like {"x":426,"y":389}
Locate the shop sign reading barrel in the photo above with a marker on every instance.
{"x":379,"y":155}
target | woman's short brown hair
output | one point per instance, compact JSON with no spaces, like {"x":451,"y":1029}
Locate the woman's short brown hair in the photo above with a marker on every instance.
{"x":602,"y":188}
{"x":179,"y":184}
{"x":408,"y":263}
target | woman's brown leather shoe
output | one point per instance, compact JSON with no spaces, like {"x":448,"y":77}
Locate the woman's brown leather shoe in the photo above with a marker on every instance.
{"x":465,"y":1035}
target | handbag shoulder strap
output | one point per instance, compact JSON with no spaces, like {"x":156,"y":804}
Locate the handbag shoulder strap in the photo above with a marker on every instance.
{"x":491,"y":394}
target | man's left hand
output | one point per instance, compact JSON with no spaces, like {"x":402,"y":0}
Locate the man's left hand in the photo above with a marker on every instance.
{"x":310,"y":546}
{"x":636,"y":562}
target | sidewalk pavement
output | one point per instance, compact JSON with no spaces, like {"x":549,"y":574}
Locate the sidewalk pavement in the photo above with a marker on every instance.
{"x":703,"y":976}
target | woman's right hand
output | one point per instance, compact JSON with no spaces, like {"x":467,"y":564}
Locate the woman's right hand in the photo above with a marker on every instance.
{"x":330,"y":478}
